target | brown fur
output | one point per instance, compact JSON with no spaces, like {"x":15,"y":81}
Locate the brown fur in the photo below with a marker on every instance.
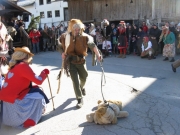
{"x":71,"y":23}
{"x":104,"y":115}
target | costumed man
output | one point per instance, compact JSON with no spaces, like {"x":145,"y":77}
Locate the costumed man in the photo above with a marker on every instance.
{"x":122,"y":40}
{"x":176,"y":64}
{"x":106,"y":32}
{"x":105,"y":29}
{"x":23,"y":103}
{"x":154,"y":35}
{"x":73,"y":47}
{"x":147,"y":48}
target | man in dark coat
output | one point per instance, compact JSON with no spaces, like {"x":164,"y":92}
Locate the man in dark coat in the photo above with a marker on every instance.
{"x":154,"y":35}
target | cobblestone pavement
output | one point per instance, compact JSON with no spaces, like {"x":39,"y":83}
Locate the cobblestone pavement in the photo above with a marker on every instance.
{"x":153,"y":108}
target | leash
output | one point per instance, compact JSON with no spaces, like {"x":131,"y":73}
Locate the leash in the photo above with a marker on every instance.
{"x":103,"y":78}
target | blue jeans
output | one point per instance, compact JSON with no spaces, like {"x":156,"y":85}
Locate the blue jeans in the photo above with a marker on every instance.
{"x":46,"y":41}
{"x":36,"y":47}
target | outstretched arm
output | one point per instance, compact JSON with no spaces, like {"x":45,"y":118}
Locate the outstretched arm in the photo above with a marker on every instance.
{"x":97,"y":53}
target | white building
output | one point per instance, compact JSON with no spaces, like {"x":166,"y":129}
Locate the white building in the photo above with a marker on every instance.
{"x":51,"y":11}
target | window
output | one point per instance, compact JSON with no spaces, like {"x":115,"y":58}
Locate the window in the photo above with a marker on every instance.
{"x":42,"y":14}
{"x":57,"y":13}
{"x":48,"y":1}
{"x":49,"y":14}
{"x":41,"y":2}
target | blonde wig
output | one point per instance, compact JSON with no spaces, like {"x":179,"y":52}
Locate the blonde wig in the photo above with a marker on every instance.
{"x":20,"y":56}
{"x":75,"y":23}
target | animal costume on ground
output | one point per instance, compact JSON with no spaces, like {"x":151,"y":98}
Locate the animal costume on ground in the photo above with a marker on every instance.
{"x":27,"y":102}
{"x":107,"y":113}
{"x":73,"y":48}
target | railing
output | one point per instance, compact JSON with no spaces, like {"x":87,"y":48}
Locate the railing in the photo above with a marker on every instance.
{"x":25,"y":40}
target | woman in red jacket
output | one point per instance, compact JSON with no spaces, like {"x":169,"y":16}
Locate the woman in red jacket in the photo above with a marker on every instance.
{"x":35,"y":35}
{"x":23,"y":104}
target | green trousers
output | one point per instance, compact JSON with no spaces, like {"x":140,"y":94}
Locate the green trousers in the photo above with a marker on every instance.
{"x":79,"y":75}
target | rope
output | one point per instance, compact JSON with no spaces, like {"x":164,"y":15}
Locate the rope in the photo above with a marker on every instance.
{"x":103,"y":78}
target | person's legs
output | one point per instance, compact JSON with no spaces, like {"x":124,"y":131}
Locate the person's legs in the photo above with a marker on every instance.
{"x":175,"y":65}
{"x":52,"y":44}
{"x":74,"y":77}
{"x":124,"y":53}
{"x":34,"y":47}
{"x":32,"y":90}
{"x":82,"y":71}
{"x":37,"y":45}
{"x":48,"y":43}
{"x":121,"y":53}
{"x":44,"y":44}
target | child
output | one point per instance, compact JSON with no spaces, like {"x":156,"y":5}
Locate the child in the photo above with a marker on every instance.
{"x":106,"y":48}
{"x":133,"y":47}
{"x":114,"y":42}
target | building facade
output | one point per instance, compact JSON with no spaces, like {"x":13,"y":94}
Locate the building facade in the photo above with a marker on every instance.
{"x":153,"y":11}
{"x":50,"y":11}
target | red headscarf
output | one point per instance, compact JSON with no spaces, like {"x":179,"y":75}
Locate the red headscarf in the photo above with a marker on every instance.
{"x":146,"y":39}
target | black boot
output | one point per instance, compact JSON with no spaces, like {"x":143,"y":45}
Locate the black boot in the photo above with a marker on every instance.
{"x":166,"y":59}
{"x":173,"y":68}
{"x":172,"y":60}
{"x":83,"y":92}
{"x":80,"y":103}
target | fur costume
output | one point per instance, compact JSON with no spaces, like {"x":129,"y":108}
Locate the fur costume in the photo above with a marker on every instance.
{"x":61,"y":48}
{"x":106,"y":29}
{"x":3,"y":31}
{"x":107,"y":113}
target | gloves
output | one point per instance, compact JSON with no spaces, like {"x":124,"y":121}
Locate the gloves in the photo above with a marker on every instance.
{"x":46,"y":71}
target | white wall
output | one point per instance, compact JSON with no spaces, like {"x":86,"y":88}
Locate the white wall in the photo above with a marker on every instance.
{"x":35,"y":9}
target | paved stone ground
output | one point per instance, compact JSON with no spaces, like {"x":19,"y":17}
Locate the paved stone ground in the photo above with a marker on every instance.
{"x":153,"y":109}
